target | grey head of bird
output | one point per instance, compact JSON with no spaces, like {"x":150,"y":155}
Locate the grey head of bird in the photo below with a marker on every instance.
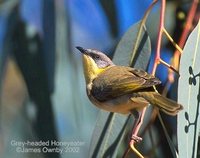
{"x":99,"y":58}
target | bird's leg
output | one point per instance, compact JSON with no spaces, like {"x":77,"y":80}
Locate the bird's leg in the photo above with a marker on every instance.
{"x":136,"y":126}
{"x":134,"y":138}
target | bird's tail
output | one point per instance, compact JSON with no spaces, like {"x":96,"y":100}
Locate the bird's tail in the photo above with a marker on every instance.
{"x":166,"y":105}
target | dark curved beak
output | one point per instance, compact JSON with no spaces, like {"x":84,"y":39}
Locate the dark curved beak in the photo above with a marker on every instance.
{"x":82,"y":50}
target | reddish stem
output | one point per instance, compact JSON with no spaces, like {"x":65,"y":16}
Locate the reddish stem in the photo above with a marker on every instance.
{"x":188,"y":25}
{"x":183,"y":38}
{"x":159,"y":40}
{"x":156,"y":62}
{"x":187,"y":29}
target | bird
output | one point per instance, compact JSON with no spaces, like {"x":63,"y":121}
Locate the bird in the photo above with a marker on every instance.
{"x":121,"y":89}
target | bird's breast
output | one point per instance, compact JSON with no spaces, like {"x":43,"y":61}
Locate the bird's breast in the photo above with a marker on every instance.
{"x":122,"y":104}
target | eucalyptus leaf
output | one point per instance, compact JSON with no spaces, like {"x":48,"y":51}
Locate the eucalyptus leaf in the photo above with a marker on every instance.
{"x":126,"y":45}
{"x":189,"y":96}
{"x":110,"y":127}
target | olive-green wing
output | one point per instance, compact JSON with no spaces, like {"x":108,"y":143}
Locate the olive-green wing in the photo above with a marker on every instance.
{"x":119,"y":80}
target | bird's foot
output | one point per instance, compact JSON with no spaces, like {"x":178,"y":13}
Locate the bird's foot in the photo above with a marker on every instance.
{"x":135,"y":138}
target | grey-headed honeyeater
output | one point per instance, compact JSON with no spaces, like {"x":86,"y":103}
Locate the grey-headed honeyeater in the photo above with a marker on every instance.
{"x":121,"y":89}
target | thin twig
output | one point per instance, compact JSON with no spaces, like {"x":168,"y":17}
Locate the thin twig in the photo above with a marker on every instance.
{"x":169,"y":66}
{"x":158,"y":60}
{"x":160,"y":31}
{"x":136,"y":151}
{"x":136,"y":47}
{"x":172,"y":41}
{"x":142,"y":24}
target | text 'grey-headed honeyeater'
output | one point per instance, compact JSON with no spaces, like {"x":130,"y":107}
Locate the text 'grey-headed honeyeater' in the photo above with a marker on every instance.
{"x":121,"y":89}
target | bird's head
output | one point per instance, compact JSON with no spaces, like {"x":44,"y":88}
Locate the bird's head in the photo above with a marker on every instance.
{"x":94,"y":62}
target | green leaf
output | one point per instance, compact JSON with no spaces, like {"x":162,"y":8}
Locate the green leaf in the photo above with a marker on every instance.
{"x":125,"y":48}
{"x":189,"y":96}
{"x":110,"y":127}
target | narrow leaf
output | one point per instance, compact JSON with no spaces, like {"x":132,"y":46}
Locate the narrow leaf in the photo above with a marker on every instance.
{"x":126,"y":46}
{"x":189,"y":96}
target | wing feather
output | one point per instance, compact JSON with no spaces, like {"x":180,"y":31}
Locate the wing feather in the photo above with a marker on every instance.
{"x":120,"y":80}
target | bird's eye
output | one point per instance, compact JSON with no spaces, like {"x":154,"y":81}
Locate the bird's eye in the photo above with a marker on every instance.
{"x":97,"y":57}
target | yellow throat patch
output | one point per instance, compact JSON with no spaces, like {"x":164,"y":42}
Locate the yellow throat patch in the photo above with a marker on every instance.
{"x":91,"y":70}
